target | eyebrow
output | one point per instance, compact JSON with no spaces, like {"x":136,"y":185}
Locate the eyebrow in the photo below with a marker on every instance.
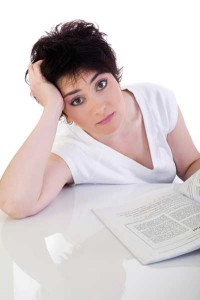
{"x":78,"y":90}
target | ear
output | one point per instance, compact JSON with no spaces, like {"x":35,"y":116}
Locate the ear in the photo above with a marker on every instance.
{"x":69,"y":121}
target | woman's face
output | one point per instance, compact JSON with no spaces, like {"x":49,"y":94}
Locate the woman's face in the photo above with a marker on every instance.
{"x":94,"y":102}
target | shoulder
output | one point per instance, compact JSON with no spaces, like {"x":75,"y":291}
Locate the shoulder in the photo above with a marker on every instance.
{"x":158,"y":100}
{"x":151,"y":91}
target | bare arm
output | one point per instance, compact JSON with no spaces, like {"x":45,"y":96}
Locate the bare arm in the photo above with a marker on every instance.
{"x":22,"y":184}
{"x":186,"y":155}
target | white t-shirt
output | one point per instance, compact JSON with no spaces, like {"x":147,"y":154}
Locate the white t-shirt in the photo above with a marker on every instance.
{"x":91,"y":161}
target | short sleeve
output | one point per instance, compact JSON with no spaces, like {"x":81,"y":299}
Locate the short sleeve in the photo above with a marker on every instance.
{"x":76,"y":151}
{"x":163,"y":105}
{"x":62,"y":145}
{"x":90,"y":161}
{"x":171,"y":108}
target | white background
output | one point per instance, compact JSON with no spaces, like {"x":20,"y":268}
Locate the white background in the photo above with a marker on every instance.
{"x":155,"y":41}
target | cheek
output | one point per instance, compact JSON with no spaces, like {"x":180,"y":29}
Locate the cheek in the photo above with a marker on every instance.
{"x":118,"y":99}
{"x":78,"y":116}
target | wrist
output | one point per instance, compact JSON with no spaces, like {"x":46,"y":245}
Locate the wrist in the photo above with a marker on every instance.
{"x":54,"y":111}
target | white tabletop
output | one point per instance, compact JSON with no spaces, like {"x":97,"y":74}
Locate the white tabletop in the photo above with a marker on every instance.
{"x":66,"y":253}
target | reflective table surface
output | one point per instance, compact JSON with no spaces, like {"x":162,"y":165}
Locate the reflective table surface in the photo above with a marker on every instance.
{"x":66,"y":253}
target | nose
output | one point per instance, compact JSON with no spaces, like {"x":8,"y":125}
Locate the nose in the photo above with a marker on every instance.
{"x":99,"y":107}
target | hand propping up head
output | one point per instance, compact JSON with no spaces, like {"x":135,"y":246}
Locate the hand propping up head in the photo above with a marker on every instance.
{"x":46,"y":93}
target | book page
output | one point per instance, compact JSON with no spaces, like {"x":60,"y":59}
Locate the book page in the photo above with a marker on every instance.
{"x":191,"y":187}
{"x":156,"y":226}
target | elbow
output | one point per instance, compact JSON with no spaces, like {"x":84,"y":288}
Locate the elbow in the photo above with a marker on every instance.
{"x":192,"y":168}
{"x":14,"y":210}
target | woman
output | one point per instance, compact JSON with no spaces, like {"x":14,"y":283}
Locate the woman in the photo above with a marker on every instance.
{"x":111,"y":135}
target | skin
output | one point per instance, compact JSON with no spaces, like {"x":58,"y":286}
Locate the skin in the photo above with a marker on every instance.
{"x":94,"y":101}
{"x":92,"y":98}
{"x":103,"y":96}
{"x":35,"y":176}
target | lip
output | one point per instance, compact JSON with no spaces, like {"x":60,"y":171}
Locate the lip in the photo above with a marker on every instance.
{"x":106,"y":119}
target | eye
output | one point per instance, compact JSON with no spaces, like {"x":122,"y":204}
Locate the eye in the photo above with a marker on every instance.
{"x":77,"y":101}
{"x":102,"y":84}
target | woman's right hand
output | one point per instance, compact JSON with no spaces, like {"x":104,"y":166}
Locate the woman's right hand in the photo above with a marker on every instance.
{"x":45,"y":92}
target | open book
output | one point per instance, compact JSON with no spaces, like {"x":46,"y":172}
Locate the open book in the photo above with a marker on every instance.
{"x":159,"y":225}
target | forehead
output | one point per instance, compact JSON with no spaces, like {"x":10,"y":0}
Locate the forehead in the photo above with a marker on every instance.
{"x":72,"y":81}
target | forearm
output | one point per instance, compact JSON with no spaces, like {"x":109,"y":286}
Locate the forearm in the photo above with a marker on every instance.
{"x":22,"y":181}
{"x":195,"y":166}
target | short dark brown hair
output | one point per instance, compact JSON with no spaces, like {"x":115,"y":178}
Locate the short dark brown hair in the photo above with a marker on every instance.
{"x":71,"y":47}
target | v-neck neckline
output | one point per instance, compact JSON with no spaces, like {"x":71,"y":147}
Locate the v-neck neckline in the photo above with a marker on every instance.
{"x":149,"y":135}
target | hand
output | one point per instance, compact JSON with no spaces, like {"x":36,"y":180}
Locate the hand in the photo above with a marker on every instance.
{"x":42,"y":90}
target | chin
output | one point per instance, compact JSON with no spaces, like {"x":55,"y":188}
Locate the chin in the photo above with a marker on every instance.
{"x":109,"y":130}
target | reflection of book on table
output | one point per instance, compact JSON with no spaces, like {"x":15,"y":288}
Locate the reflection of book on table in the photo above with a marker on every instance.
{"x":159,"y":225}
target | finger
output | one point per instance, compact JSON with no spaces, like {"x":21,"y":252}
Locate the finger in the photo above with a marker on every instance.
{"x":30,"y":73}
{"x":30,"y":69}
{"x":34,"y":98}
{"x":38,"y":62}
{"x":36,"y":67}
